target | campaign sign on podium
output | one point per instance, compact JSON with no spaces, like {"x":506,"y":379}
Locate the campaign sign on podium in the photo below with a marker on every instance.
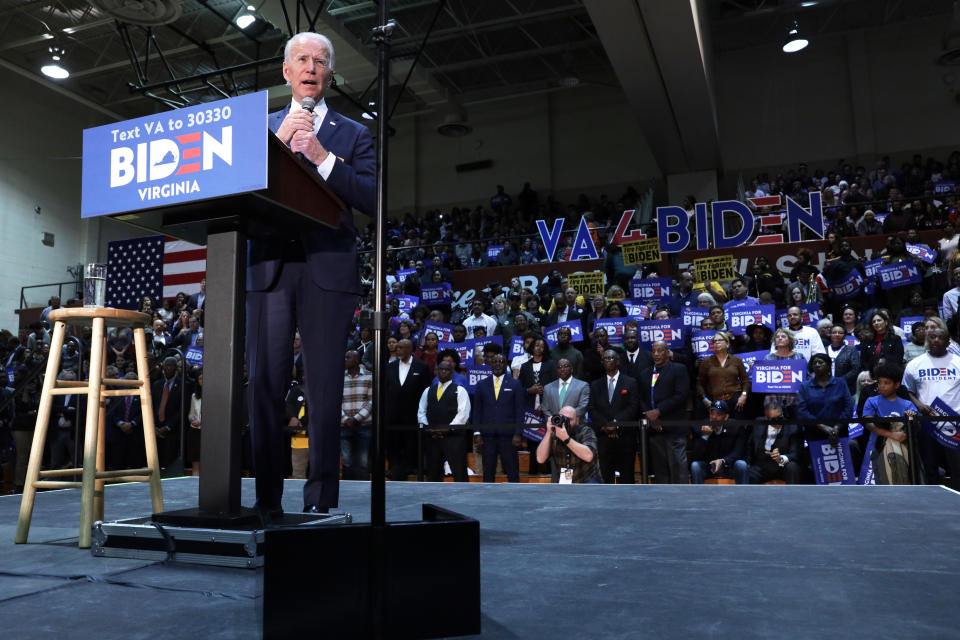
{"x":194,"y":153}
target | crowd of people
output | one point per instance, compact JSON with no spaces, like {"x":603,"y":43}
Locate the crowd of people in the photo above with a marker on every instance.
{"x":584,"y":399}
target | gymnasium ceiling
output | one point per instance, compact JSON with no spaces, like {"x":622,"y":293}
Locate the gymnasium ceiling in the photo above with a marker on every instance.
{"x":129,"y":58}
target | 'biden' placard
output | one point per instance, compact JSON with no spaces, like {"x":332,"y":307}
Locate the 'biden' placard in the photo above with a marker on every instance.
{"x":206,"y":151}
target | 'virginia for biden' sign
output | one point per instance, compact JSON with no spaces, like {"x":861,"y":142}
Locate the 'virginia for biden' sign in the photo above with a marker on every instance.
{"x":210,"y":150}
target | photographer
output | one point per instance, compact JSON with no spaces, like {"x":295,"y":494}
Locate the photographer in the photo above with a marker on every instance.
{"x":572,"y":449}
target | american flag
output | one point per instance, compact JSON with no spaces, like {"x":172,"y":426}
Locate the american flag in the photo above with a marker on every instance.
{"x":154,"y":266}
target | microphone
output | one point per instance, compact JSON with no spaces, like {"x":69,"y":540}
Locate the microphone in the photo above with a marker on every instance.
{"x":308,"y":104}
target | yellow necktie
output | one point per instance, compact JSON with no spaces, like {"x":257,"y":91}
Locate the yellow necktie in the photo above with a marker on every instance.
{"x":439,"y":390}
{"x":496,"y":388}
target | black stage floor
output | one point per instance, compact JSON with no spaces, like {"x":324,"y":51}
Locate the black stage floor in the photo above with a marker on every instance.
{"x":581,"y":561}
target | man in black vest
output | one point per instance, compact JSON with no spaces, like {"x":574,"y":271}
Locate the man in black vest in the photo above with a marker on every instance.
{"x":407,"y":377}
{"x":444,"y":403}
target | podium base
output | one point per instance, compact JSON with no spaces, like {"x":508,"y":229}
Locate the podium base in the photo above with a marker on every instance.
{"x":416,"y":579}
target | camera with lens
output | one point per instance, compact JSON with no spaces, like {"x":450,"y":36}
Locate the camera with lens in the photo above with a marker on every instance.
{"x":560,"y":420}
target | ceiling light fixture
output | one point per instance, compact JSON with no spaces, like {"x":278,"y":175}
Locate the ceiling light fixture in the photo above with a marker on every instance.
{"x":794,"y":42}
{"x":244,"y":20}
{"x":54,"y":69}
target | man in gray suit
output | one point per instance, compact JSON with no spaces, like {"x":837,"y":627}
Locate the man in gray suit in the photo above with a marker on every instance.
{"x":565,"y":391}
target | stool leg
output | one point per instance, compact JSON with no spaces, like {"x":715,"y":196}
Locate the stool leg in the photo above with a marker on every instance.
{"x":97,"y":346}
{"x":40,"y":434}
{"x":146,"y":406}
{"x":98,"y":485}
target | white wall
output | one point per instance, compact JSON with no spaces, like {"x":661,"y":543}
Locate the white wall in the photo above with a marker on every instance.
{"x":567,"y":141}
{"x":40,"y":167}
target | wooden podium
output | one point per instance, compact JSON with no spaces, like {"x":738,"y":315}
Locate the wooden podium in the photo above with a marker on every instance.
{"x":295,"y":200}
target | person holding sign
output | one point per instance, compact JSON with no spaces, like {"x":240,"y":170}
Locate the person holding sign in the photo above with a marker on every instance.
{"x":784,"y":348}
{"x":806,"y":340}
{"x":935,"y":375}
{"x":311,"y":280}
{"x":723,"y":376}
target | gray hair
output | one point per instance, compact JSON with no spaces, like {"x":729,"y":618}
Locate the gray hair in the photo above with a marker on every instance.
{"x":310,"y":36}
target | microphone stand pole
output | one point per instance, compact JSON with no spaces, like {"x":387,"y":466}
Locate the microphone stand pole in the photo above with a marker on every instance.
{"x":381,"y":35}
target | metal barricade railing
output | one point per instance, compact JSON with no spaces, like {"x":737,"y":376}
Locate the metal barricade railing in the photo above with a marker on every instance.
{"x":913,"y":427}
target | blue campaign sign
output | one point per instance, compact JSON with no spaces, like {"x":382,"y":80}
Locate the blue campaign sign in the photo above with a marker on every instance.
{"x":651,"y":288}
{"x":922,"y":251}
{"x":751,"y":357}
{"x":536,"y":430}
{"x":811,"y":315}
{"x":476,"y":373}
{"x":701,"y":342}
{"x":403,"y":273}
{"x":898,"y":274}
{"x":516,"y":348}
{"x":206,"y":151}
{"x":870,"y":267}
{"x":614,"y":327}
{"x":692,"y":316}
{"x":443,"y":330}
{"x":832,"y":465}
{"x":944,"y":186}
{"x":906,"y":323}
{"x":777,"y":376}
{"x":866,"y":468}
{"x":576,"y":332}
{"x":741,"y":317}
{"x":407,"y":303}
{"x":638,"y":310}
{"x":946,"y":433}
{"x":669,"y":331}
{"x":493,"y":251}
{"x":849,"y":286}
{"x":436,"y":295}
{"x":194,"y":356}
{"x":470,"y":350}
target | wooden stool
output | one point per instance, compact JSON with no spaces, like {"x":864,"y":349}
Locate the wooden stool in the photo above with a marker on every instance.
{"x":92,"y":471}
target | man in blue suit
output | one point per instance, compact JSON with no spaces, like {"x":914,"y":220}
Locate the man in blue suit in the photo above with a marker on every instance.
{"x":499,"y":399}
{"x":310,"y":282}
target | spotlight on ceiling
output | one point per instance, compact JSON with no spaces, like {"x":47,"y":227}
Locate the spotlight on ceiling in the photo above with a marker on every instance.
{"x":54,"y":69}
{"x":244,"y":20}
{"x":794,"y":42}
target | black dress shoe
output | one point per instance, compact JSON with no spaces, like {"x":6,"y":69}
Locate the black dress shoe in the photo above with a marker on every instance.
{"x":315,"y":508}
{"x":269,"y":515}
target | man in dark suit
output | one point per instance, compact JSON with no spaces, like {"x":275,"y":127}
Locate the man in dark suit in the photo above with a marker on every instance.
{"x":664,"y":388}
{"x":562,"y":311}
{"x":168,"y":411}
{"x":124,"y":431}
{"x":310,"y":282}
{"x":634,"y":360}
{"x":614,"y":398}
{"x":407,"y":377}
{"x":773,"y":450}
{"x":499,"y":399}
{"x":64,"y":416}
{"x":198,"y":300}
